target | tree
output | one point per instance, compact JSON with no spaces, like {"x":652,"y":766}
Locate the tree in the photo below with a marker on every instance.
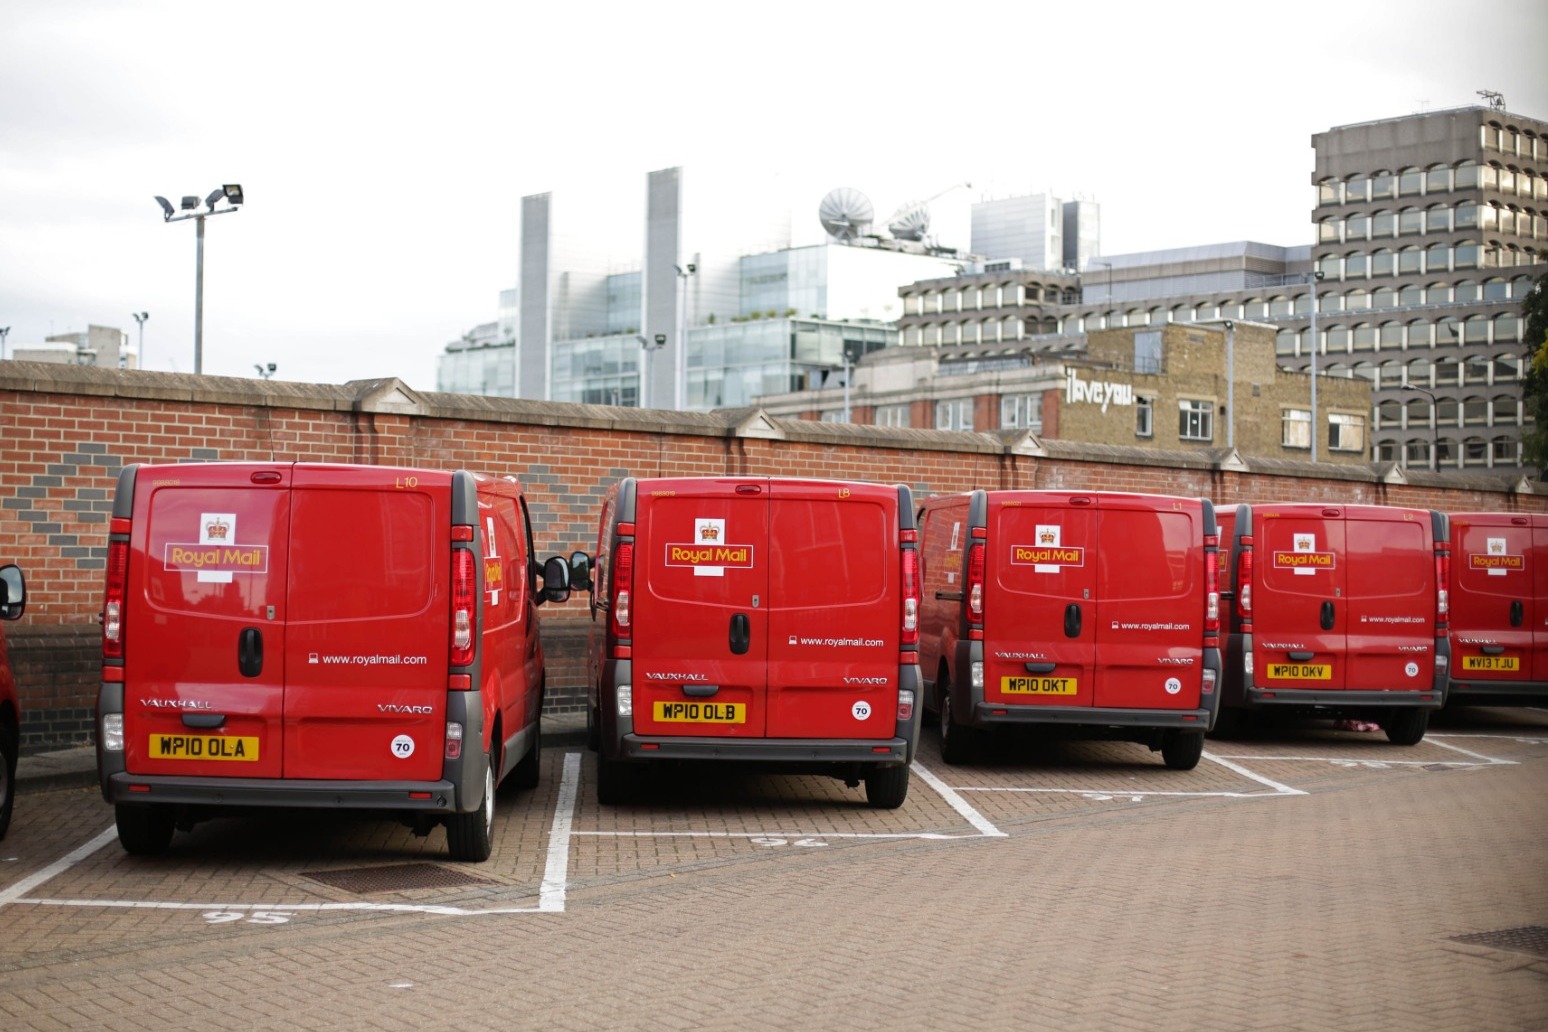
{"x":1534,"y":387}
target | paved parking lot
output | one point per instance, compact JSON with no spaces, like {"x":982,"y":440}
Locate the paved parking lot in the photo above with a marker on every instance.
{"x":1308,"y":878}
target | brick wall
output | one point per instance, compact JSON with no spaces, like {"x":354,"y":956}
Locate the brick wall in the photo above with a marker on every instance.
{"x":66,"y":431}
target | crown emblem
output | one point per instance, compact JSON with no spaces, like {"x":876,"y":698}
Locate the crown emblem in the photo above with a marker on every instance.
{"x":216,"y":529}
{"x":1046,"y":537}
{"x":709,"y":534}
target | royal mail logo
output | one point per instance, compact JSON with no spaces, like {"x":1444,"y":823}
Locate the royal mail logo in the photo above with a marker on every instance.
{"x":736,"y":557}
{"x":1047,"y":537}
{"x":1305,"y":560}
{"x":1495,"y":561}
{"x":216,"y":529}
{"x":211,"y":558}
{"x":709,"y":533}
{"x":1041,"y":555}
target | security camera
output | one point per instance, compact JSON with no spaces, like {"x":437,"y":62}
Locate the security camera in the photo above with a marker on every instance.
{"x":692,"y":268}
{"x":660,"y":340}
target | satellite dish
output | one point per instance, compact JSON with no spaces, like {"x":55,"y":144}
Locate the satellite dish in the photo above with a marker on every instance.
{"x":846,"y":213}
{"x":910,"y":222}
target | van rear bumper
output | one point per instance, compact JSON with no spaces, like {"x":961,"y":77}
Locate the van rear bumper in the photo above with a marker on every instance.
{"x":432,"y":796}
{"x":768,"y":750}
{"x":1345,"y":699}
{"x":1536,"y":691}
{"x":988,"y":714}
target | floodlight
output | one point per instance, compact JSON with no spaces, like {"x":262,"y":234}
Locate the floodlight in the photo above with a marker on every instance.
{"x":233,"y":193}
{"x":166,"y":207}
{"x":190,"y":203}
{"x":214,"y":196}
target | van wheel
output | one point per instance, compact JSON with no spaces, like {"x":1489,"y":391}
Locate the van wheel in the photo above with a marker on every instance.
{"x":525,"y":773}
{"x":470,"y":836}
{"x":1181,"y":749}
{"x":958,"y":744}
{"x":143,"y":830}
{"x":617,"y":782}
{"x":887,"y":787}
{"x":1405,"y":726}
{"x":7,"y":776}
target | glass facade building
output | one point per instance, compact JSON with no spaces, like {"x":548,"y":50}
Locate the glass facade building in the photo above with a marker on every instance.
{"x":730,"y":365}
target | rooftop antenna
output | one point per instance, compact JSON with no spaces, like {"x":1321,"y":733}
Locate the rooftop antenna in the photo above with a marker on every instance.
{"x":1495,"y":98}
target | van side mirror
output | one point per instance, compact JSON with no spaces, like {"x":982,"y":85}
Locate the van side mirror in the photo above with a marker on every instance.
{"x":13,"y":592}
{"x":556,"y":580}
{"x":580,"y":571}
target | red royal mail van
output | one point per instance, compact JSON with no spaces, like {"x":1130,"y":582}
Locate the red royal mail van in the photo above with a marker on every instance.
{"x":1339,"y":611}
{"x":303,"y":635}
{"x":1096,"y":611}
{"x":13,"y":600}
{"x":1499,"y":607}
{"x":754,"y":619}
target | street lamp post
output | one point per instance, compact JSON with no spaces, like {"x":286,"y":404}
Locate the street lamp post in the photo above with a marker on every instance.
{"x":1312,"y":278}
{"x":651,"y":347}
{"x":680,"y":375}
{"x":140,"y":318}
{"x":190,"y":206}
{"x":5,"y":331}
{"x":1434,"y":425}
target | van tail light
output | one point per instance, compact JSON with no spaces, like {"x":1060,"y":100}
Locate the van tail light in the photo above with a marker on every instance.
{"x":1442,"y":586}
{"x":619,"y":607}
{"x":113,"y":601}
{"x":905,"y":705}
{"x":975,"y":585}
{"x":464,"y":593}
{"x":910,"y":635}
{"x":453,"y":740}
{"x":1211,"y":586}
{"x":1244,"y":581}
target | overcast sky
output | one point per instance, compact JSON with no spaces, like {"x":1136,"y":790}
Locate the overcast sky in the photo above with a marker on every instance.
{"x":384,"y":147}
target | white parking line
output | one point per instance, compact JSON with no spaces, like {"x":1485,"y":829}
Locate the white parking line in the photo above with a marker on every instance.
{"x":1136,"y":795}
{"x":983,"y":828}
{"x":550,"y":896}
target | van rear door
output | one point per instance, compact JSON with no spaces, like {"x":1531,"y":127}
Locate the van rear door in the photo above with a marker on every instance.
{"x":836,"y":610}
{"x":369,"y":611}
{"x":1390,"y":599}
{"x":1149,"y":612}
{"x":204,"y":621}
{"x":1495,"y":587}
{"x":701,"y":607}
{"x":1299,"y":608}
{"x":1040,"y":615}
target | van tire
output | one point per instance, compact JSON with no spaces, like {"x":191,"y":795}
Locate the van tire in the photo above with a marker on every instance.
{"x":887,"y":787}
{"x":144,"y":830}
{"x":1181,"y":750}
{"x":1406,"y":725}
{"x":528,"y":769}
{"x":470,"y":836}
{"x":8,"y":739}
{"x":617,"y":782}
{"x":959,"y":744}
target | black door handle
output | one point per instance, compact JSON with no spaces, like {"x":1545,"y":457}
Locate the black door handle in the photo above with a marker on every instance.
{"x":1517,"y":613}
{"x":250,"y":652}
{"x":741,"y":634}
{"x":1327,"y":616}
{"x":1072,"y":620}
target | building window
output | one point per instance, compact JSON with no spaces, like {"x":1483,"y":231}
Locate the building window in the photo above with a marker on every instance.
{"x":1144,"y":412}
{"x":1346,"y":432}
{"x":1296,"y":429}
{"x":892,"y":415}
{"x":1147,"y":351}
{"x":954,"y":415}
{"x":1196,"y":420}
{"x":1022,"y":411}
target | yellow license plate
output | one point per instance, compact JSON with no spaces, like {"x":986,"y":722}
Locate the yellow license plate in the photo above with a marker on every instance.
{"x":203,"y":747}
{"x":1039,"y":685}
{"x":1490,"y":663}
{"x":701,"y":712}
{"x":1301,"y":671}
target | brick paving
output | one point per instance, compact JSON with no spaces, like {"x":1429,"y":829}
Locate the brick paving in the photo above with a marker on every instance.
{"x":1329,"y":910}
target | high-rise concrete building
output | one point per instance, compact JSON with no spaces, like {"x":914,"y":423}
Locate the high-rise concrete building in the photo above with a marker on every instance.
{"x":1039,"y":230}
{"x":1428,"y":231}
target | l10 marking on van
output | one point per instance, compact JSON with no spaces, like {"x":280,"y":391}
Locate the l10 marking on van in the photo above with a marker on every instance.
{"x":701,"y":712}
{"x":1039,"y":685}
{"x":1301,"y":671}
